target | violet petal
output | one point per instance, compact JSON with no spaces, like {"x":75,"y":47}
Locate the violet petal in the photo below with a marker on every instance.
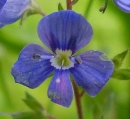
{"x":60,"y":90}
{"x":94,"y":71}
{"x":33,"y":66}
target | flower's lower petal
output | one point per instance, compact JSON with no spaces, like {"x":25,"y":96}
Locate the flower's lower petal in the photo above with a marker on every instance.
{"x":93,"y":72}
{"x":33,"y":66}
{"x":12,"y":10}
{"x":124,"y":5}
{"x":65,"y":30}
{"x":60,"y":90}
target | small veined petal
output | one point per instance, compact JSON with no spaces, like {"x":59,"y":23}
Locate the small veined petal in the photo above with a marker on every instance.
{"x":93,"y":72}
{"x":33,"y":66}
{"x":124,"y":5}
{"x":60,"y":90}
{"x":65,"y":30}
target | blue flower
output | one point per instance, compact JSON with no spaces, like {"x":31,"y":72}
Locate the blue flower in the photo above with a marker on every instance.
{"x":12,"y":10}
{"x":123,"y":5}
{"x":64,"y":33}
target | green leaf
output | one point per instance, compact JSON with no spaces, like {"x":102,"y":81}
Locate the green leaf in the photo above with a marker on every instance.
{"x":33,"y":103}
{"x":122,"y":74}
{"x":37,"y":108}
{"x":60,"y":7}
{"x":27,"y":115}
{"x":118,"y":59}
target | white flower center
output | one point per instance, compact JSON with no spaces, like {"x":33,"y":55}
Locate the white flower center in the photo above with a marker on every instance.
{"x":62,"y":59}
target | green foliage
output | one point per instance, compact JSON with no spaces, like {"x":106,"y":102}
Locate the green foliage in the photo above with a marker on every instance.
{"x":123,"y":74}
{"x":33,"y":104}
{"x":118,"y":59}
{"x":27,"y":115}
{"x":60,"y":7}
{"x":37,"y":110}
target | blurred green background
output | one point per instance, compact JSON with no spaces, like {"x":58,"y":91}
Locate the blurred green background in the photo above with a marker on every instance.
{"x":111,"y":35}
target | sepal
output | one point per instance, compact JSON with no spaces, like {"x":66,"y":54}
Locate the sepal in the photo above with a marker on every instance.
{"x":122,"y":74}
{"x":60,"y":7}
{"x":119,"y":58}
{"x":33,"y":9}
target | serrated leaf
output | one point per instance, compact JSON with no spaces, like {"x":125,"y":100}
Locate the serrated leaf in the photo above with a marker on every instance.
{"x":33,"y":103}
{"x":118,"y":59}
{"x":60,"y":7}
{"x":28,"y":115}
{"x":122,"y":74}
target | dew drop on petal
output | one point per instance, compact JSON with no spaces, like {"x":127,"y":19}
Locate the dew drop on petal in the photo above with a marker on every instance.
{"x":36,"y":56}
{"x":104,"y":57}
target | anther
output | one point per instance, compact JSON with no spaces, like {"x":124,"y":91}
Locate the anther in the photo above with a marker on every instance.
{"x":78,"y":60}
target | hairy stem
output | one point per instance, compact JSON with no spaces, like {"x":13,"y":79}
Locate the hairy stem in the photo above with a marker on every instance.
{"x":69,"y":4}
{"x":82,"y":93}
{"x":42,"y":13}
{"x":78,"y":100}
{"x":74,"y":1}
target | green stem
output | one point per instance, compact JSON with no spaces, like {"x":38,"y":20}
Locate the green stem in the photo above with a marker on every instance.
{"x":87,"y":11}
{"x":42,"y":13}
{"x":4,"y":87}
{"x":78,"y":100}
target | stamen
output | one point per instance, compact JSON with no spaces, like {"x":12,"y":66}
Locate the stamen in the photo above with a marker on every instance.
{"x":62,"y":63}
{"x":62,"y":59}
{"x":78,"y":60}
